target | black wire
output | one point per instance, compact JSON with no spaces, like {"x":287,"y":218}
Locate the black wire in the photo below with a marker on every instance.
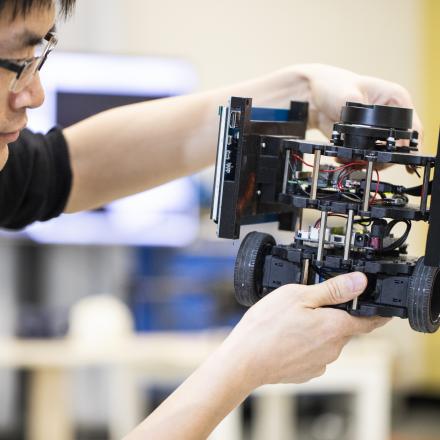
{"x":414,"y":168}
{"x":364,"y":221}
{"x":400,"y":241}
{"x":296,"y":180}
{"x":417,"y":190}
{"x":321,"y":273}
{"x":346,"y":195}
{"x":350,"y":196}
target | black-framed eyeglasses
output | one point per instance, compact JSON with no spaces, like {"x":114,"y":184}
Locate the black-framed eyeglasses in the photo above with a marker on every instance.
{"x":26,"y":69}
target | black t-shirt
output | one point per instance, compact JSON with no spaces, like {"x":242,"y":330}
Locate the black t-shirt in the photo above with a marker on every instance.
{"x":36,"y":180}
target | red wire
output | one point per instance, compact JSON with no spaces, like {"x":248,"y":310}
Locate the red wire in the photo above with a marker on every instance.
{"x":346,"y":172}
{"x":342,"y":176}
{"x":328,"y":171}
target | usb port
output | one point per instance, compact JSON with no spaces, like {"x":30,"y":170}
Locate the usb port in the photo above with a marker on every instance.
{"x":235,"y":119}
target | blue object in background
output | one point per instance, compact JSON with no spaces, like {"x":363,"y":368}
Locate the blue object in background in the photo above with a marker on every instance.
{"x":182,"y":312}
{"x":182,"y":292}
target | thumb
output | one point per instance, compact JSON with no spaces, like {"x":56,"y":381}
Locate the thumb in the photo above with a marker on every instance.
{"x":337,"y":290}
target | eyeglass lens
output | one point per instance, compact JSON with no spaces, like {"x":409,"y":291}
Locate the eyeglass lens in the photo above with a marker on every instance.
{"x":26,"y":76}
{"x":32,"y":67}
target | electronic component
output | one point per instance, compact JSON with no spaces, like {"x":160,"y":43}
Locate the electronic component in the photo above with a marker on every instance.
{"x":270,"y":175}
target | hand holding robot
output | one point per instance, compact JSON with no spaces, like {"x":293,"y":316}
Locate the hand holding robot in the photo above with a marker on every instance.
{"x":260,"y":177}
{"x":308,"y":335}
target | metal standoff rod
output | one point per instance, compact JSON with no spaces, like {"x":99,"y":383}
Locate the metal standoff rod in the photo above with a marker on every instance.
{"x":348,"y":234}
{"x":286,"y":170}
{"x":315,"y":176}
{"x":354,"y":304}
{"x":321,"y":237}
{"x":425,"y":187}
{"x":305,"y":271}
{"x":321,"y":241}
{"x":366,"y":200}
{"x":347,"y":244}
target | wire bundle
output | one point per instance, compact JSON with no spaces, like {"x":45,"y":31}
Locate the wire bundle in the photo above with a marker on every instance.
{"x":345,"y":171}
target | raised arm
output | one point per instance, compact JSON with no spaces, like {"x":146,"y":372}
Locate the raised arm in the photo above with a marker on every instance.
{"x":129,"y":149}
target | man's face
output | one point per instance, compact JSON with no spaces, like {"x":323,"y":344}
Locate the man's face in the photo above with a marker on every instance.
{"x":18,"y":40}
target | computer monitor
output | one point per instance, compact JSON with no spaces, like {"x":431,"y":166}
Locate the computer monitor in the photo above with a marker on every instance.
{"x":79,"y":85}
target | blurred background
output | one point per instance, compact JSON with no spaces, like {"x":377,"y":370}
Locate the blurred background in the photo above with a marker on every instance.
{"x":74,"y":288}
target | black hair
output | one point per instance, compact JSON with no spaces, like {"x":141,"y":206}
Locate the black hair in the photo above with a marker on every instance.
{"x":23,"y":7}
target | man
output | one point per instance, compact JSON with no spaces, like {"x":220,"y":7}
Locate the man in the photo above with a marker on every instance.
{"x":287,"y":336}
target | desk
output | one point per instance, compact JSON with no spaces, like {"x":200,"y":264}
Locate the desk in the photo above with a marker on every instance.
{"x":363,"y":370}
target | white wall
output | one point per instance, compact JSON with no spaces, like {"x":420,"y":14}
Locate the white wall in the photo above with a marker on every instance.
{"x":230,"y":40}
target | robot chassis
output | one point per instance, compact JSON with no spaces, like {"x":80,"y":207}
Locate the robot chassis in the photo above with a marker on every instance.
{"x":260,"y":177}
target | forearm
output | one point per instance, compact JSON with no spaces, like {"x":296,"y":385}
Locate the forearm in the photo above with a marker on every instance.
{"x":284,"y":337}
{"x":132,"y":148}
{"x":202,"y":401}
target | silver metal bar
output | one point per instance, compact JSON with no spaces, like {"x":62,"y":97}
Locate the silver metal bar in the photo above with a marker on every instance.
{"x":321,"y":237}
{"x":305,"y":271}
{"x":425,"y":187}
{"x":348,"y":234}
{"x":286,"y":170}
{"x":220,"y":163}
{"x":354,"y":304}
{"x":366,"y":200}
{"x":315,"y":176}
{"x":347,"y":245}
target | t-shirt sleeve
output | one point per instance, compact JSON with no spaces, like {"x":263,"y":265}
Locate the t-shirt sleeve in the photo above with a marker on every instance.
{"x":36,"y":180}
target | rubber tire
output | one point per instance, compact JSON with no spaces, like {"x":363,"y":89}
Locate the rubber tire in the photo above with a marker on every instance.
{"x":420,"y":292}
{"x":249,"y":266}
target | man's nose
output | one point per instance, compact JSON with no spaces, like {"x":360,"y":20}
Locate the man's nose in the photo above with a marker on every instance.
{"x":31,"y":96}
